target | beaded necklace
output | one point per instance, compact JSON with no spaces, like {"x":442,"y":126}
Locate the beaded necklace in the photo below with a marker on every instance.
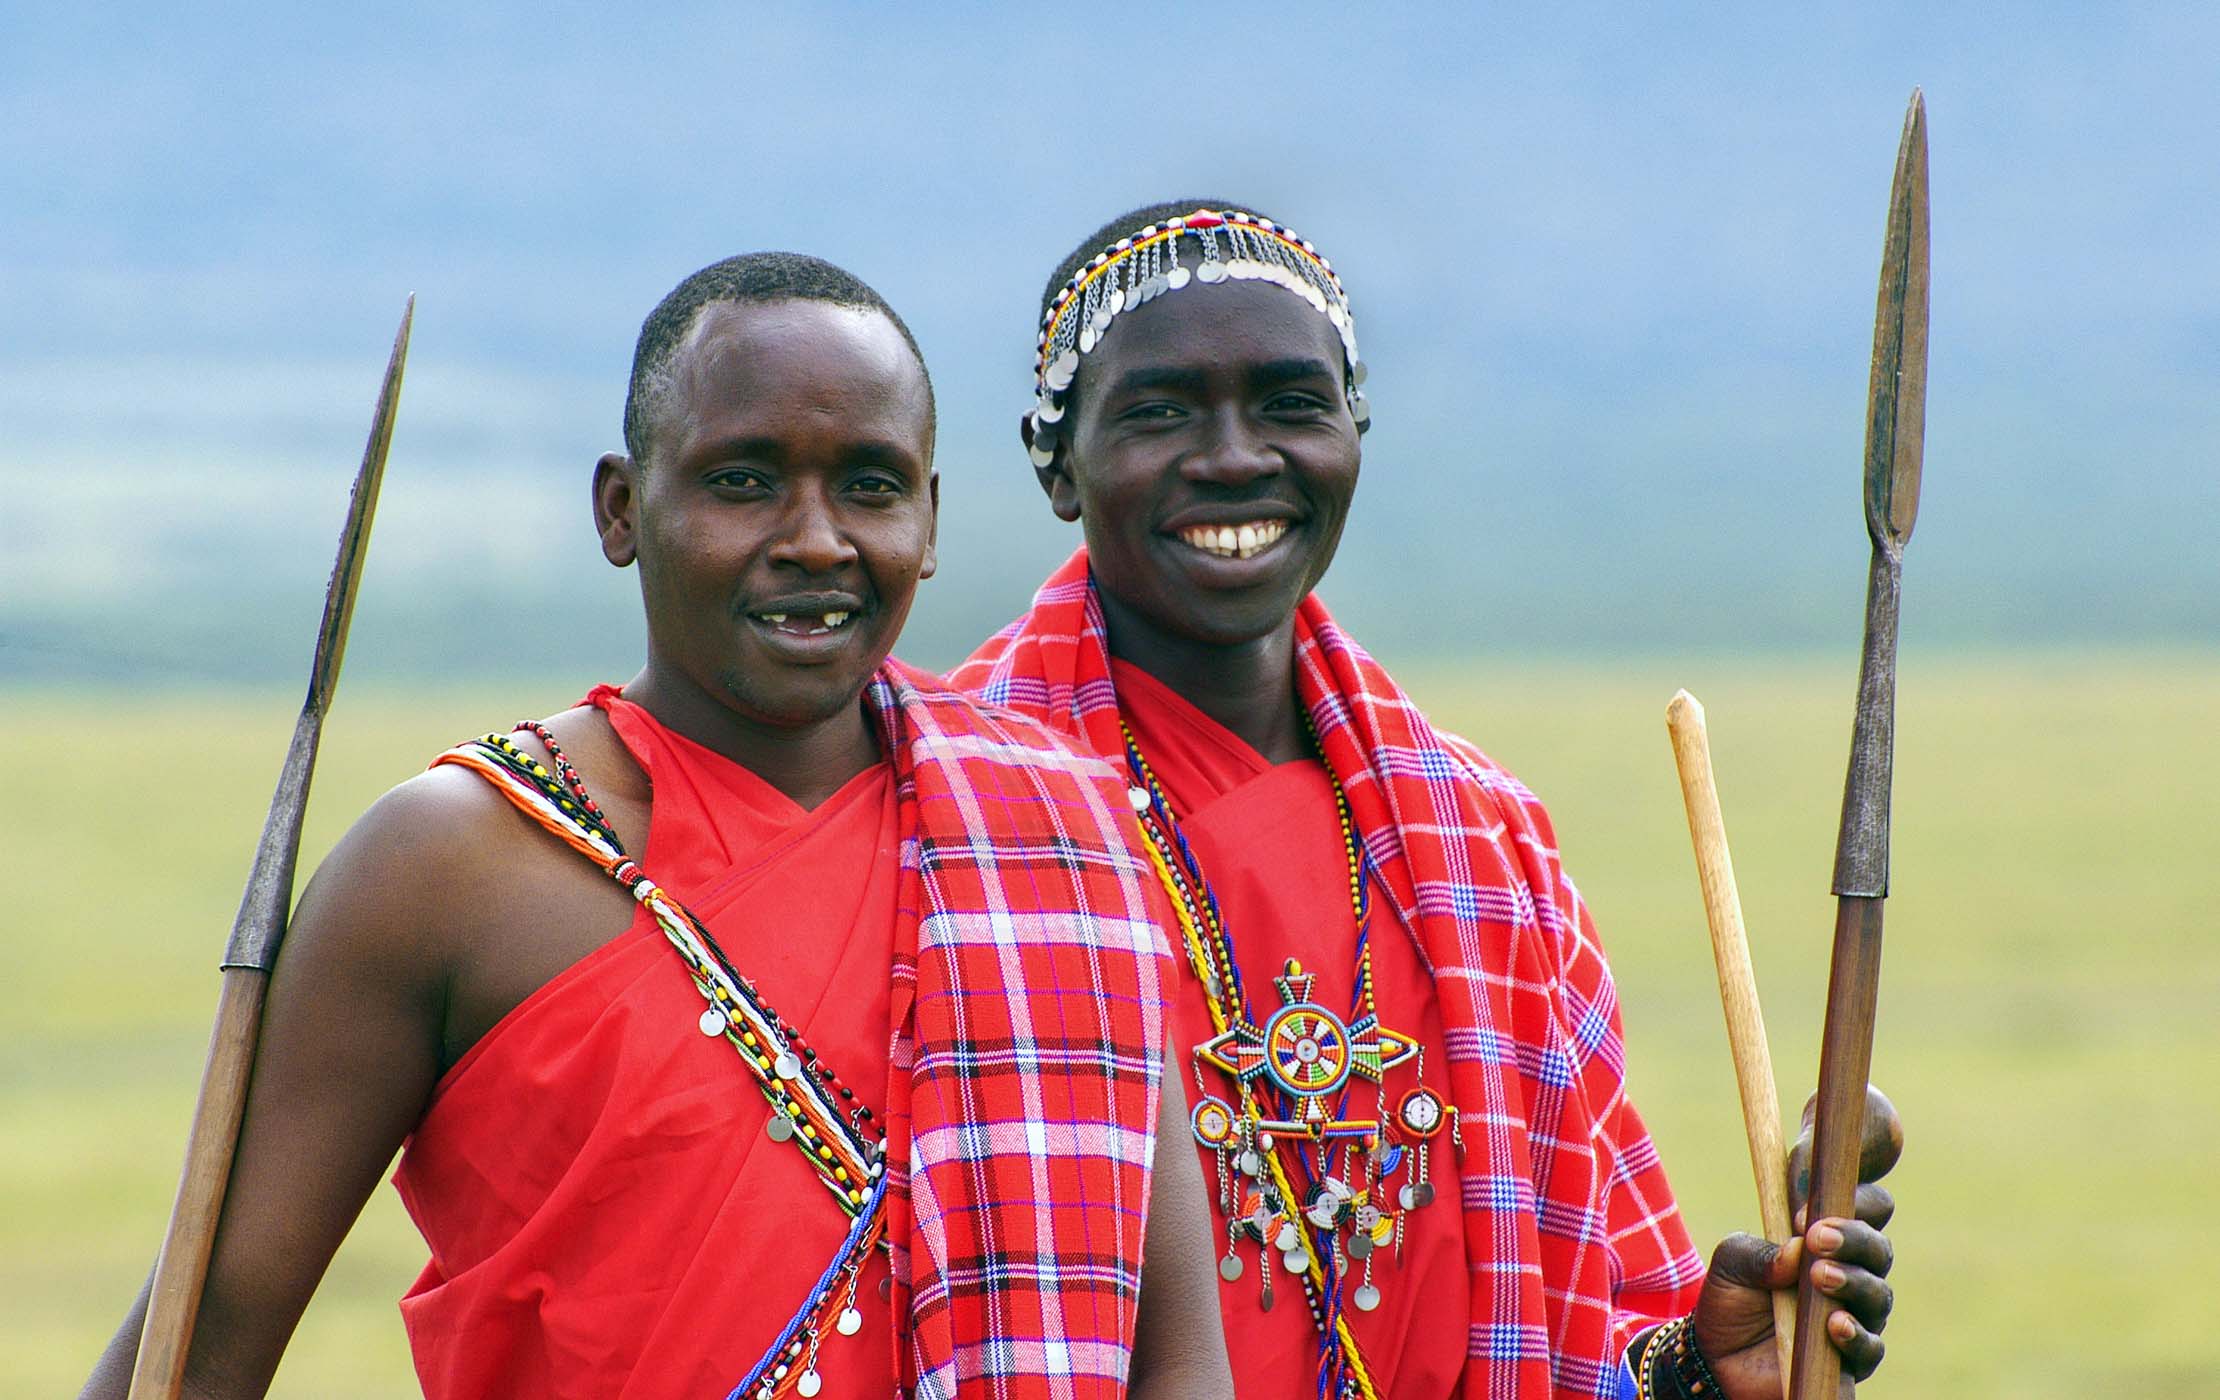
{"x":810,"y":1106}
{"x":1326,"y":1211}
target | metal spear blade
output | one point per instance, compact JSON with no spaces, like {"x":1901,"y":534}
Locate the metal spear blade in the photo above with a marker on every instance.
{"x":354,"y":536}
{"x":1896,"y":400}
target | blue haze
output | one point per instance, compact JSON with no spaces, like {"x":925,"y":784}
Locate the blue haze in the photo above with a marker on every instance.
{"x":1614,"y":267}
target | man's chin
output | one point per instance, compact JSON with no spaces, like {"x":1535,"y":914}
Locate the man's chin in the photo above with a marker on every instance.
{"x":803,"y":704}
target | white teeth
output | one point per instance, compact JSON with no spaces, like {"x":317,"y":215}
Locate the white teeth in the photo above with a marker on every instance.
{"x":834,"y":619}
{"x":1235,"y":542}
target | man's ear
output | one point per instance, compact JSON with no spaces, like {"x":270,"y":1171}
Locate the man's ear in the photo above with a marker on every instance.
{"x":616,"y":503}
{"x":932,"y":533}
{"x":1055,"y":478}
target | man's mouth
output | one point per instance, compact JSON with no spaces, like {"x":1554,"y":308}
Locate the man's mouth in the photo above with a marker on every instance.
{"x":1243,"y":541}
{"x":805,"y":624}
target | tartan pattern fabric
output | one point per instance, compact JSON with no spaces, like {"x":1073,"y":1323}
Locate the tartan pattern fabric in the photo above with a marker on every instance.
{"x":1573,"y":1239}
{"x":1027,"y":1073}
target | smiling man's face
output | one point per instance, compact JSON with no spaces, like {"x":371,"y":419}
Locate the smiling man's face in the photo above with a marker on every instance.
{"x":787,"y":509}
{"x":1211,"y":459}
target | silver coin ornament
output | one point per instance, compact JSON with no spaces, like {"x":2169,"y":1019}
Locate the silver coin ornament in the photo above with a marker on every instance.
{"x":1366,"y":1298}
{"x":850,"y":1322}
{"x":1177,"y":278}
{"x":712,"y":1022}
{"x":1249,"y":1163}
{"x":1229,"y":1268}
{"x":786,"y":1066}
{"x":1288,"y":1238}
{"x":780,"y":1128}
{"x":1360,"y":1245}
{"x":1212,"y":272}
{"x":809,"y":1384}
{"x":1294,"y":1261}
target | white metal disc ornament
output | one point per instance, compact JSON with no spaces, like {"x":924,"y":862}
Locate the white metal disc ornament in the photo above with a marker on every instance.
{"x":712,"y":1022}
{"x":1366,"y":1298}
{"x":850,"y":1322}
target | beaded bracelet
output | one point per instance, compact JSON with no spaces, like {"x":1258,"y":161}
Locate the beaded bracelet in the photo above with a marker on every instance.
{"x":1669,"y":1365}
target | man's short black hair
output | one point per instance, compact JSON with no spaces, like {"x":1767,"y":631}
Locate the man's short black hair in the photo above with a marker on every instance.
{"x":750,"y":277}
{"x":1118,"y":228}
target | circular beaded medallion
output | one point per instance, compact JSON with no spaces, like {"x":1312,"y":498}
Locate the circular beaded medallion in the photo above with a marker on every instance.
{"x":1421,"y":1113}
{"x":1212,"y":1121}
{"x":1306,"y":1049}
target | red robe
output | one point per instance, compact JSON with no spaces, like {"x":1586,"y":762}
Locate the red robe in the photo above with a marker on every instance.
{"x":606,"y":1215}
{"x":1233,"y":803}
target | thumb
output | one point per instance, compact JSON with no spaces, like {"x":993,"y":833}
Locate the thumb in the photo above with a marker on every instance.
{"x":1756,"y":1263}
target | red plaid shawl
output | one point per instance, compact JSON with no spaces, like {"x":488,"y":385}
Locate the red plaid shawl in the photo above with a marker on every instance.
{"x":1574,"y":1241}
{"x":1031,"y":1055}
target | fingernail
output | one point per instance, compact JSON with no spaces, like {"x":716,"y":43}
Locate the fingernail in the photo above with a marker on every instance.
{"x":1825,"y":1238}
{"x":1827,"y":1275}
{"x":1842,"y":1326}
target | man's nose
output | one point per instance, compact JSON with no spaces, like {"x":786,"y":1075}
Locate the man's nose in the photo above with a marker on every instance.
{"x":810,"y":534}
{"x":1236,"y":454}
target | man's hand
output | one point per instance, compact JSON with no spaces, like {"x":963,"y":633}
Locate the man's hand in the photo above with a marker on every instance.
{"x":1734,"y":1315}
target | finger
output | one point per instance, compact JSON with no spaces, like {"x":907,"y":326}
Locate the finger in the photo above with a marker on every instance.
{"x":1866,"y":1297}
{"x":1861,"y":1350}
{"x":1881,"y":1143}
{"x":1851,"y":1242}
{"x":1876,"y":1207}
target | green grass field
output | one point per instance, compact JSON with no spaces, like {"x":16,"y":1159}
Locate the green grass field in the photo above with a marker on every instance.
{"x":2048,"y":1009}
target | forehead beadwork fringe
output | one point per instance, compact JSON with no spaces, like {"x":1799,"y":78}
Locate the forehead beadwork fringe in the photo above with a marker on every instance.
{"x":1205,"y":246}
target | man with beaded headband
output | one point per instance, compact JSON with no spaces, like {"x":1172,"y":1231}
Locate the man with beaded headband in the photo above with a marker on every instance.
{"x":781,"y":1023}
{"x":1403,"y":1038}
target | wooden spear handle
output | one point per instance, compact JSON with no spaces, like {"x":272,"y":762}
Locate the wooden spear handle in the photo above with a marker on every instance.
{"x":173,"y":1302}
{"x":1738,"y":996}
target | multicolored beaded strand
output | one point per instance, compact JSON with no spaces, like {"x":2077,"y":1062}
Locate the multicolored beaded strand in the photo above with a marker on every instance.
{"x":803,"y":1093}
{"x":1275,"y":1213}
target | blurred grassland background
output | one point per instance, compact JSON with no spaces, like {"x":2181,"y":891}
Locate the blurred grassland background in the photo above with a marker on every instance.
{"x":2047,"y":1008}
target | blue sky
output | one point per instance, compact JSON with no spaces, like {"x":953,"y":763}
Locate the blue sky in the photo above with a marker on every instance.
{"x":1614,"y":268}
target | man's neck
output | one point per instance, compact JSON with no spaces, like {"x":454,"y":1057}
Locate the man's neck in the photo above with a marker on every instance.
{"x":1249,"y":687}
{"x":808,"y":763}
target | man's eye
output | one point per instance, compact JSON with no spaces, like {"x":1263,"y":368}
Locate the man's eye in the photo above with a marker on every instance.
{"x":876,"y":485}
{"x":1151,"y":412}
{"x":1295,"y":403}
{"x":738,"y":479}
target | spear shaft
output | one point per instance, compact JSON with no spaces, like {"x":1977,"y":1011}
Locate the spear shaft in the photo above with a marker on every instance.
{"x":173,"y":1299}
{"x":1895,"y":445}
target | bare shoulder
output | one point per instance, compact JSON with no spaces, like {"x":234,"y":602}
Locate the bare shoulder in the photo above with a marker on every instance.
{"x":443,"y":862}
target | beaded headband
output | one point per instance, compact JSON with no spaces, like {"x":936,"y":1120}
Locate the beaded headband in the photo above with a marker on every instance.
{"x":1146,"y":264}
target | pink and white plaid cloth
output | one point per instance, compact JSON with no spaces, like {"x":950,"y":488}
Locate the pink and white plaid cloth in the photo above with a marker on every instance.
{"x":1572,"y":1235}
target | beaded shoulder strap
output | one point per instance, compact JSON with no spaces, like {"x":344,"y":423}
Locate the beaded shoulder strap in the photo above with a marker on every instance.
{"x":810,"y":1106}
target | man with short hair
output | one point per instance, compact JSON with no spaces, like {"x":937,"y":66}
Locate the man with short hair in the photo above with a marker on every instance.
{"x":778,"y":1023}
{"x":1405,"y":1045}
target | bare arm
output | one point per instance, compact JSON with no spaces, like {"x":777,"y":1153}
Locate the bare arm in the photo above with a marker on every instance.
{"x":1179,"y":1345}
{"x":350,"y":1050}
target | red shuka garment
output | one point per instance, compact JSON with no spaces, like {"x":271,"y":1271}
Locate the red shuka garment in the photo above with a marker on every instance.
{"x":1268,"y":840}
{"x":606,"y":1215}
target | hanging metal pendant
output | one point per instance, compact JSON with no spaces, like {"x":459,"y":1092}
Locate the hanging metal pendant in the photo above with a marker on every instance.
{"x":1366,"y":1298}
{"x":1212,"y":1121}
{"x":780,"y":1128}
{"x":809,"y":1384}
{"x":1229,"y":1268}
{"x":850,"y":1321}
{"x":712,"y":1022}
{"x":786,"y":1066}
{"x":1360,"y":1246}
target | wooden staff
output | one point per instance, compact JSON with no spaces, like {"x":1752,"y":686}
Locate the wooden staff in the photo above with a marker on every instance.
{"x":182,"y":1268}
{"x":1738,"y":995}
{"x":1896,"y":415}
